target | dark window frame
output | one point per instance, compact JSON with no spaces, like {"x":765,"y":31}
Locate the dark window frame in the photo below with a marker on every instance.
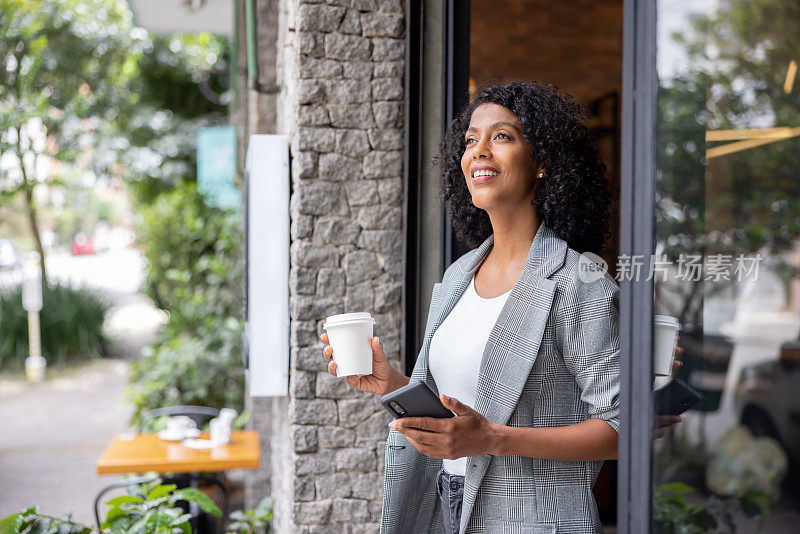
{"x":637,"y":237}
{"x":413,"y":158}
{"x":455,"y":94}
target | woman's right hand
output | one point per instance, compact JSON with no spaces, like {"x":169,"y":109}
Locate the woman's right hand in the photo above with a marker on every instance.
{"x":384,"y":379}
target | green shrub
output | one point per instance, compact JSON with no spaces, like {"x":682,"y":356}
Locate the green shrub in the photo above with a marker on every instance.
{"x":30,"y":521}
{"x":152,"y":508}
{"x":186,"y":369}
{"x":149,"y":508}
{"x":673,"y":513}
{"x":71,"y":325}
{"x":195,"y":260}
{"x":251,"y":521}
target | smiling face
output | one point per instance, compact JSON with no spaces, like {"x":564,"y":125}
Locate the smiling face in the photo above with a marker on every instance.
{"x":494,"y":143}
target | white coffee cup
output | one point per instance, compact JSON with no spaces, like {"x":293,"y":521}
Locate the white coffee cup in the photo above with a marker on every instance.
{"x":350,"y":336}
{"x":180,"y":424}
{"x":219,"y":431}
{"x":665,"y":333}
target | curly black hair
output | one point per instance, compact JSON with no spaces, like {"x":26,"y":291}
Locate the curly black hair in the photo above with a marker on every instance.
{"x":573,"y":199}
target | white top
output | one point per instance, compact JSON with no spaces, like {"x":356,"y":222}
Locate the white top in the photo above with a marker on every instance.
{"x":456,"y":350}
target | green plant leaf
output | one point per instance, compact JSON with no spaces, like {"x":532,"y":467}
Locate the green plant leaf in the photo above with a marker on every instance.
{"x":754,"y":504}
{"x":124,"y":499}
{"x":180,"y":520}
{"x":39,"y":526}
{"x":675,"y":487}
{"x":160,"y":491}
{"x":11,"y":524}
{"x":114,"y":514}
{"x":704,"y":520}
{"x":202,"y":500}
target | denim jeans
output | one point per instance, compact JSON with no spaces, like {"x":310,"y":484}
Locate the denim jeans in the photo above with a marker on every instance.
{"x":451,"y":493}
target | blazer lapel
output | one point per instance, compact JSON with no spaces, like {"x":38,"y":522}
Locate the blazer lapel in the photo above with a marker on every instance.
{"x":513,"y":345}
{"x":452,"y":287}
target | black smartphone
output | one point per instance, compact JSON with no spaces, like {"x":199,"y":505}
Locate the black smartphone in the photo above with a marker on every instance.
{"x":675,"y":398}
{"x":414,"y":400}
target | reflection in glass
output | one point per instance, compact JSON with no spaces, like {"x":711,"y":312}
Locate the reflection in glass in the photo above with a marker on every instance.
{"x":727,"y":261}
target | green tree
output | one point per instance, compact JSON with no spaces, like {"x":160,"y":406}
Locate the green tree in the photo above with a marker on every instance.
{"x":67,"y":65}
{"x":180,"y":87}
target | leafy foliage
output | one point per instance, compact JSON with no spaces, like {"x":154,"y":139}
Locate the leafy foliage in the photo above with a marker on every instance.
{"x":151,"y":508}
{"x":194,"y":257}
{"x":185,"y":369}
{"x":71,"y":325}
{"x":195,"y":273}
{"x":674,"y":514}
{"x":251,"y":521}
{"x":30,"y":521}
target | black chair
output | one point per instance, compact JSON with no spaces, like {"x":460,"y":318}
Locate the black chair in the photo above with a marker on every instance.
{"x":200,"y":520}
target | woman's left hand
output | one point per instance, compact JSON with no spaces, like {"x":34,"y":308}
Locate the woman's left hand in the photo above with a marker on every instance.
{"x":467,"y":434}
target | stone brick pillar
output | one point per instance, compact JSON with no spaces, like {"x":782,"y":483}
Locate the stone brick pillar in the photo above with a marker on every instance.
{"x":342,"y":67}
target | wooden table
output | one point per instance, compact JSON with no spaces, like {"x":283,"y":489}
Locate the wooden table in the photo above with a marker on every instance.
{"x":146,"y":452}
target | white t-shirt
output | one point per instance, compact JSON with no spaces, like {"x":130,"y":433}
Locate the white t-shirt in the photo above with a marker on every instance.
{"x":456,"y":350}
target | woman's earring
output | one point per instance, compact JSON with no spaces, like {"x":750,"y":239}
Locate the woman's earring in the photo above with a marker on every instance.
{"x":541,"y":175}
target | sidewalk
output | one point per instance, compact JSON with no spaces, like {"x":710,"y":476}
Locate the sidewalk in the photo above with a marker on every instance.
{"x":51,"y":434}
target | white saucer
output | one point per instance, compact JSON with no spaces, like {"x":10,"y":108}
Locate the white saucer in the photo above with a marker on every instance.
{"x":197,"y":443}
{"x":175,"y":436}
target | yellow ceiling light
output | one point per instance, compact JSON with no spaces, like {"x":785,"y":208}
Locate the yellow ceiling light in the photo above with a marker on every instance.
{"x":791,"y":73}
{"x":746,"y":138}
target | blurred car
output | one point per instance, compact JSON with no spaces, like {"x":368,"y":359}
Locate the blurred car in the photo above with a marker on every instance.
{"x":9,"y":258}
{"x":767,"y":399}
{"x":82,"y":244}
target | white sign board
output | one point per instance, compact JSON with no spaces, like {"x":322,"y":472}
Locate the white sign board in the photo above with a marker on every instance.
{"x":267,"y":322}
{"x":160,"y":16}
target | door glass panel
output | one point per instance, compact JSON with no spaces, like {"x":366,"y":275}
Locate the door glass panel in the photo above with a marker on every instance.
{"x":727,"y":262}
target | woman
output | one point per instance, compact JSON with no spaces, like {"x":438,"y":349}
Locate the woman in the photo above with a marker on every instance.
{"x":517,"y":345}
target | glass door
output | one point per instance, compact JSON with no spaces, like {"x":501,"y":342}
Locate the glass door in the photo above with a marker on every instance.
{"x":727,"y":266}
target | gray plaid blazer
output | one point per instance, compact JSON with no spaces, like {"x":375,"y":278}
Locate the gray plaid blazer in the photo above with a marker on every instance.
{"x":552,"y":359}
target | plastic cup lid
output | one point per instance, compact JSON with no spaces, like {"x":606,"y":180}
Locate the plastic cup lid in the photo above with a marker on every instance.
{"x":666,"y":320}
{"x":347,"y":318}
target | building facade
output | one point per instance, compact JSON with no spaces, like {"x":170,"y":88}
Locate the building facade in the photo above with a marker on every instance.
{"x":364,"y":90}
{"x":340,"y":67}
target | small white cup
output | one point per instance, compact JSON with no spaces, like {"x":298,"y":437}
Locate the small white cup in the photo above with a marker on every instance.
{"x":350,"y":336}
{"x":179,"y":425}
{"x":665,"y":333}
{"x":219,"y":431}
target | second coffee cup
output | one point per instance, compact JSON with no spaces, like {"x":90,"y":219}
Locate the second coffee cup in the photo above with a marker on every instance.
{"x":350,"y":336}
{"x":665,"y":333}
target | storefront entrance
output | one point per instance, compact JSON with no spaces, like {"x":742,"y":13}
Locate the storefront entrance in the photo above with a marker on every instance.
{"x":576,"y":46}
{"x":700,"y":140}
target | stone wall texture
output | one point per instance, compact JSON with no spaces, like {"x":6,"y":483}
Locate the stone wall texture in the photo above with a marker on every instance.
{"x":341,"y":64}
